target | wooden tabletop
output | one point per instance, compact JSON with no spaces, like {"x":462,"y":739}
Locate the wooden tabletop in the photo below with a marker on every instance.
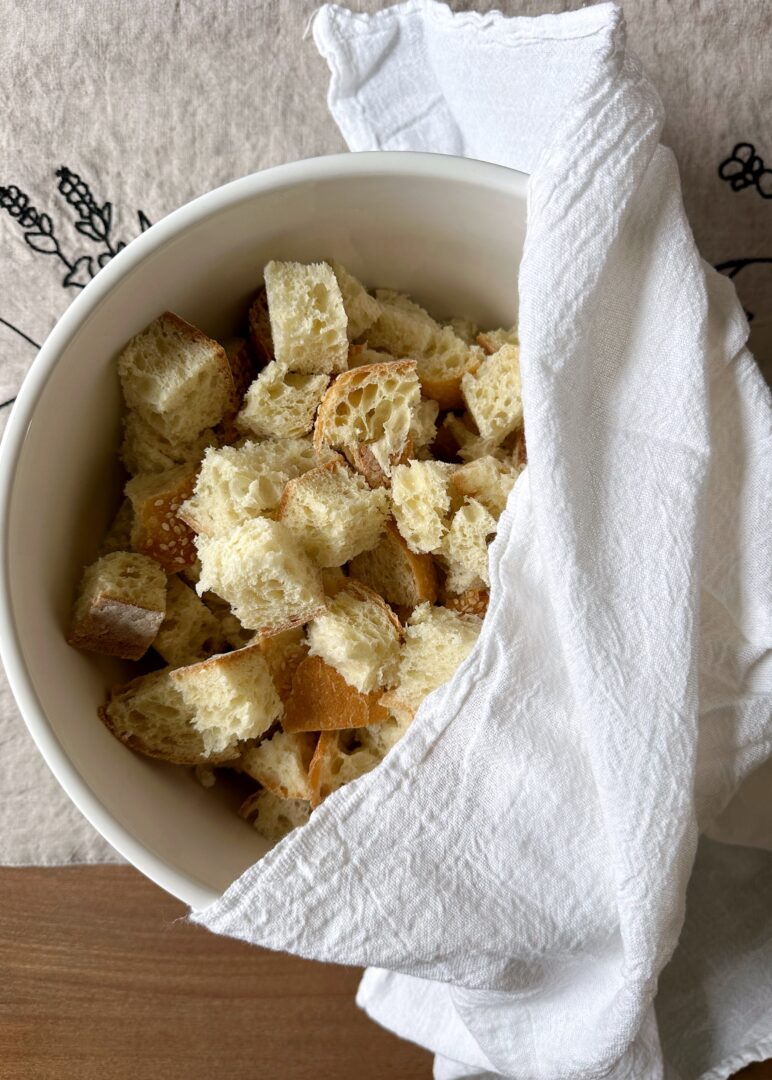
{"x":101,"y":979}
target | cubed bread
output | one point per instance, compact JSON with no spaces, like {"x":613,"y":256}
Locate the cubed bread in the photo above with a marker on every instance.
{"x":444,"y":365}
{"x":399,"y":575}
{"x":150,"y":716}
{"x":272,"y":817}
{"x":390,"y":299}
{"x":466,"y":329}
{"x":361,"y":308}
{"x":362,"y":355}
{"x":436,"y":642}
{"x":190,"y":632}
{"x":469,"y":602}
{"x":283,"y":653}
{"x":424,"y":427}
{"x":243,"y":374}
{"x":261,"y":570}
{"x":333,"y":513}
{"x":118,"y":535}
{"x":146,"y":450}
{"x":177,"y":377}
{"x":333,"y":580}
{"x":339,"y":758}
{"x":235,"y":484}
{"x":464,"y":548}
{"x":322,"y":700}
{"x":487,"y":480}
{"x":372,"y":405}
{"x":120,"y":606}
{"x":157,"y":530}
{"x":260,"y":328}
{"x":493,"y":393}
{"x":359,"y":635}
{"x":469,"y":445}
{"x":421,"y":503}
{"x":231,"y":696}
{"x":492,"y":340}
{"x":282,"y":404}
{"x":308,"y":320}
{"x":280,"y":763}
{"x":234,"y":633}
{"x":380,"y":738}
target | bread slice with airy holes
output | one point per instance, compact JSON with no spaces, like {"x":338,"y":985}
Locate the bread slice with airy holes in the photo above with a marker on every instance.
{"x":322,"y":700}
{"x":468,"y":602}
{"x":272,"y":817}
{"x":487,"y":480}
{"x":493,"y":393}
{"x":235,"y":484}
{"x":280,"y":763}
{"x":189,"y":632}
{"x":261,"y":570}
{"x":177,"y":377}
{"x":308,"y":320}
{"x":358,"y":635}
{"x":373,"y":406}
{"x":333,"y":514}
{"x":464,"y":548}
{"x":361,"y":308}
{"x":283,"y":653}
{"x":118,"y":535}
{"x":420,"y":500}
{"x":158,"y":530}
{"x":436,"y":642}
{"x":149,"y":715}
{"x":339,"y":758}
{"x":232,"y":697}
{"x":399,"y":575}
{"x":490,"y":341}
{"x":146,"y":450}
{"x":120,"y":606}
{"x":281,"y":404}
{"x":260,"y":328}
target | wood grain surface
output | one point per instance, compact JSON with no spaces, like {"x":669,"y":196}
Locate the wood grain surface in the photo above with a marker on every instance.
{"x":102,"y":979}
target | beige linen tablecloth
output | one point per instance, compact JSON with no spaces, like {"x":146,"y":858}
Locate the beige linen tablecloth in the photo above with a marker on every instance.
{"x":117,"y":112}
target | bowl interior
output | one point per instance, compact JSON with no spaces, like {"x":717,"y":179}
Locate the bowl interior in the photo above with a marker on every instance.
{"x":449,"y":235}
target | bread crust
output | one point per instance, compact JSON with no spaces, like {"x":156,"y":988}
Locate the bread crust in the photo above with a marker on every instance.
{"x":158,"y":530}
{"x":344,"y":385}
{"x":421,"y":568}
{"x":322,"y":700}
{"x":115,"y":628}
{"x":260,"y":328}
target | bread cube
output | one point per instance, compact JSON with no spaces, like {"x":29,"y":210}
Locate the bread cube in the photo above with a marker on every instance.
{"x":177,"y":377}
{"x":146,"y":450}
{"x":261,"y":570}
{"x":362,"y":355}
{"x":333,"y":514}
{"x":421,"y":503}
{"x":283,"y":653}
{"x":399,"y":575}
{"x":282,"y":404}
{"x":308,"y":320}
{"x":465,"y":329}
{"x":361,"y":309}
{"x":281,"y":763}
{"x":464,"y":548}
{"x":424,"y":427}
{"x":339,"y":758}
{"x":322,"y":700}
{"x":380,"y":738}
{"x":120,"y":606}
{"x":260,"y":328}
{"x":359,"y":635}
{"x":493,"y":393}
{"x":487,"y":480}
{"x":490,"y":341}
{"x":190,"y":632}
{"x":273,"y":817}
{"x":158,"y":531}
{"x":231,"y":696}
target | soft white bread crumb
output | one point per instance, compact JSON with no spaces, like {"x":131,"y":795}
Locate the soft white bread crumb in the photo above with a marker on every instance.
{"x":146,"y":450}
{"x":281,"y":763}
{"x":421,"y":502}
{"x":487,"y":480}
{"x":398,"y":574}
{"x":232,"y":697}
{"x":472,"y":446}
{"x":237,"y":483}
{"x":493,"y":393}
{"x":361,"y":309}
{"x":233,"y":632}
{"x":333,"y":580}
{"x":157,"y":529}
{"x":281,"y":404}
{"x":371,"y":406}
{"x":283,"y":653}
{"x":118,"y":535}
{"x":436,"y":642}
{"x":272,"y":817}
{"x":362,"y":355}
{"x":263,"y":573}
{"x":189,"y":632}
{"x":149,"y":715}
{"x":492,"y":340}
{"x":466,"y":329}
{"x":380,"y":738}
{"x":322,"y":700}
{"x":465,"y":547}
{"x":443,"y":366}
{"x":177,"y":377}
{"x":340,"y":757}
{"x":333,"y":513}
{"x":391,"y":298}
{"x":359,"y":635}
{"x":424,"y":427}
{"x":120,"y":605}
{"x":308,"y":320}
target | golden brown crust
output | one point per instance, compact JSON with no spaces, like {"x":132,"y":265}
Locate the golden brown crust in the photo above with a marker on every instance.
{"x":283,"y":658}
{"x":469,"y":602}
{"x":322,"y":700}
{"x":488,"y":344}
{"x":363,"y":592}
{"x":344,"y":385}
{"x":191,"y":753}
{"x":421,"y":568}
{"x":113,"y":627}
{"x":304,"y":480}
{"x":446,"y":392}
{"x":260,"y":328}
{"x":363,"y":460}
{"x":158,"y":530}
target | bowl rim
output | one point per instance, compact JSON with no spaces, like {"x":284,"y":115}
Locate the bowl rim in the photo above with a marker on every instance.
{"x":406,"y":164}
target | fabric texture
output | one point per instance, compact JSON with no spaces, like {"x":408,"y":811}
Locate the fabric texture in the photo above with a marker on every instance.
{"x":517,"y":868}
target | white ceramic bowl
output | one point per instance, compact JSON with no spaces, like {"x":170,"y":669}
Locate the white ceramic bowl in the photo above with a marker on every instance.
{"x":447,"y":230}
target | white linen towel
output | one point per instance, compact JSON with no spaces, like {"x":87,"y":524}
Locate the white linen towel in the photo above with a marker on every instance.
{"x":517,"y":867}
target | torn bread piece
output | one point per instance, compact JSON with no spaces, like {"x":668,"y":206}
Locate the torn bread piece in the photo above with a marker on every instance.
{"x":468,"y":602}
{"x":436,"y":642}
{"x":261,"y":570}
{"x":231,"y":696}
{"x":281,"y":763}
{"x":493,"y":393}
{"x":149,"y":715}
{"x":399,"y":575}
{"x":469,"y":444}
{"x":362,"y":355}
{"x":243,"y":374}
{"x":189,"y":632}
{"x":333,"y":513}
{"x":339,"y":758}
{"x":466,"y":329}
{"x":358,"y":635}
{"x":372,"y":405}
{"x":283,"y":653}
{"x":322,"y":700}
{"x":464,"y":548}
{"x":490,"y":341}
{"x":364,"y":461}
{"x":272,"y":817}
{"x":120,"y":606}
{"x":157,"y":530}
{"x":361,"y":308}
{"x":420,"y":499}
{"x":146,"y":450}
{"x":380,"y":738}
{"x":423,"y":430}
{"x":177,"y":377}
{"x":118,"y":535}
{"x":281,"y":404}
{"x":308,"y":320}
{"x":260,"y":328}
{"x":487,"y":480}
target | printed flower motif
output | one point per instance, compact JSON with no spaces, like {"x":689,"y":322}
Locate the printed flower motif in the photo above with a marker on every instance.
{"x":744,"y":168}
